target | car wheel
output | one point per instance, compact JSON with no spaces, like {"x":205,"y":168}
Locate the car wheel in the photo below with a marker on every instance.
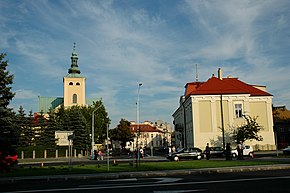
{"x":176,"y":158}
{"x":251,"y":154}
{"x":234,"y":155}
{"x":199,"y":157}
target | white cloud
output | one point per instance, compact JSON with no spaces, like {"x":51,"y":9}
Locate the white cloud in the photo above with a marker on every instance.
{"x":25,"y":94}
{"x":120,"y":44}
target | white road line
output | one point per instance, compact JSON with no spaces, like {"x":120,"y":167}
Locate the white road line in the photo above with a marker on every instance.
{"x":179,"y":191}
{"x":96,"y":187}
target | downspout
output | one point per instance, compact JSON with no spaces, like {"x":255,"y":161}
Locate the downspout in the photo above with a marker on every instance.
{"x":184,"y":132}
{"x":222,"y":120}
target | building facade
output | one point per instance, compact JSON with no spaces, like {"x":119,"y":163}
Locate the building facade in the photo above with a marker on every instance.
{"x":150,"y":135}
{"x":208,"y":112}
{"x":281,"y":117}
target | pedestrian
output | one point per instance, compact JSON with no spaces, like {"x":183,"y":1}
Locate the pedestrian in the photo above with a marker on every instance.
{"x":228,"y":152}
{"x":207,"y":151}
{"x":142,"y":153}
{"x":101,"y":155}
{"x":240,"y":150}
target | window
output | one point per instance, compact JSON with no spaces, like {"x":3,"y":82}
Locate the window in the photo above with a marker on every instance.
{"x":78,"y":84}
{"x":238,"y":110}
{"x":75,"y":98}
{"x":71,"y":83}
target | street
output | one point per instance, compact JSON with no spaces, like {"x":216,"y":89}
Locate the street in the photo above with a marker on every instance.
{"x":250,"y":182}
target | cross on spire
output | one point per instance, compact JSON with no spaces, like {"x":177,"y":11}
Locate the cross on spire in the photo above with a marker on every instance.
{"x":74,"y":48}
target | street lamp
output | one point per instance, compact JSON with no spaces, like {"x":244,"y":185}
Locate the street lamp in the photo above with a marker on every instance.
{"x":138,"y":129}
{"x":93,"y":130}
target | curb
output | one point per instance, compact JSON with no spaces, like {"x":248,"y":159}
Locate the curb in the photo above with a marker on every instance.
{"x":163,"y":173}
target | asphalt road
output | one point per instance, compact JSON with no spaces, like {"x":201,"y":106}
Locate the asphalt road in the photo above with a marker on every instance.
{"x":251,"y":182}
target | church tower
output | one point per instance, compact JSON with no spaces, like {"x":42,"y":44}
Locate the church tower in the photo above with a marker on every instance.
{"x":74,"y":84}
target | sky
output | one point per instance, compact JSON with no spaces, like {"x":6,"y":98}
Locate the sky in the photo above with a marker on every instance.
{"x":162,"y":44}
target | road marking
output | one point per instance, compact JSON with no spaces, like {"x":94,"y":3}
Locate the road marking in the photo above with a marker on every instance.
{"x":122,"y":180}
{"x":81,"y":188}
{"x":167,"y":180}
{"x":179,"y":191}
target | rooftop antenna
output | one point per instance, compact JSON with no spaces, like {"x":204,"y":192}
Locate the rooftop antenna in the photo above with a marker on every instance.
{"x":196,"y":73}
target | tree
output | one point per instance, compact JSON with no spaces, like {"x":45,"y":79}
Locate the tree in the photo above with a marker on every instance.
{"x":101,"y":121}
{"x":78,"y":125}
{"x":40,"y":130}
{"x":48,"y":134}
{"x":248,"y":131}
{"x":25,"y":131}
{"x":8,"y":128}
{"x":122,"y":133}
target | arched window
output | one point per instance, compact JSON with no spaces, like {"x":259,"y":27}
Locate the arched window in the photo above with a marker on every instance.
{"x":75,"y":98}
{"x":78,"y":84}
{"x":71,"y":83}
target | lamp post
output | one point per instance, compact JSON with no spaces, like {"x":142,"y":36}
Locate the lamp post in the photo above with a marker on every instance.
{"x":93,"y":130}
{"x":138,"y":129}
{"x":108,"y":151}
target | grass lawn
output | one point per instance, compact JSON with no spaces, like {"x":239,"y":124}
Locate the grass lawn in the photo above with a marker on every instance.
{"x":126,"y":167}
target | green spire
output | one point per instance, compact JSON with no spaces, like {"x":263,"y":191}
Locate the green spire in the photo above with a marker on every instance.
{"x":74,"y":62}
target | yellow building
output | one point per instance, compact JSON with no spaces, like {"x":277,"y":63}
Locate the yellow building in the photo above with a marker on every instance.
{"x":74,"y":84}
{"x":74,"y":90}
{"x":207,"y":107}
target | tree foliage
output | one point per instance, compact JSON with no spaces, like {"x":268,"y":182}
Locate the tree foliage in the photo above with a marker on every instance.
{"x":122,"y":133}
{"x":8,"y":128}
{"x":248,"y":131}
{"x":79,"y":120}
{"x":25,"y":131}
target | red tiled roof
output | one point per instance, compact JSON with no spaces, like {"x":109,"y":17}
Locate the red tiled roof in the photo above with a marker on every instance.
{"x":216,"y":86}
{"x":144,"y":128}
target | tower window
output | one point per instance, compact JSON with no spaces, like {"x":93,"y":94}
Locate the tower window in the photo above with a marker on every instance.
{"x":75,"y":98}
{"x":71,"y":83}
{"x":78,"y":84}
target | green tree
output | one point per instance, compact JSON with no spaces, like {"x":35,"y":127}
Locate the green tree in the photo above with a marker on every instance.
{"x":78,"y":125}
{"x":248,"y":131}
{"x":8,"y":128}
{"x":101,"y":121}
{"x":122,"y":133}
{"x":48,"y":134}
{"x":40,"y":130}
{"x":25,"y":131}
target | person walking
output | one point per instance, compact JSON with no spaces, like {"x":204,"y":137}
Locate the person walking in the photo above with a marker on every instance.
{"x":228,"y":152}
{"x":207,"y":151}
{"x":240,"y":150}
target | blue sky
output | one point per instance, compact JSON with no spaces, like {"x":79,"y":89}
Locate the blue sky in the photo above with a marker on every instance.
{"x":121,"y":43}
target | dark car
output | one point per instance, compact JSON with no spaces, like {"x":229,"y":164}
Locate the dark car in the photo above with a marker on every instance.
{"x":216,"y":152}
{"x":286,"y":151}
{"x":186,"y":153}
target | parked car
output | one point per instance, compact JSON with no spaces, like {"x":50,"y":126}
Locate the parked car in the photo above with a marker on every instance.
{"x":286,"y":151}
{"x":247,"y":151}
{"x":216,"y":152}
{"x":186,"y":153}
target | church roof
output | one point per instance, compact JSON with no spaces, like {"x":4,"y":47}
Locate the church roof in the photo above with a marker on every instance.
{"x":216,"y":86}
{"x":74,"y":71}
{"x":47,"y":103}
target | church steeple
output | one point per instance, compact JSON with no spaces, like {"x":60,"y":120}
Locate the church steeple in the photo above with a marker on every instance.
{"x":74,"y":62}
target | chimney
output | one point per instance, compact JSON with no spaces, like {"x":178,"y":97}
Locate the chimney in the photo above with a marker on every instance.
{"x":220,"y":74}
